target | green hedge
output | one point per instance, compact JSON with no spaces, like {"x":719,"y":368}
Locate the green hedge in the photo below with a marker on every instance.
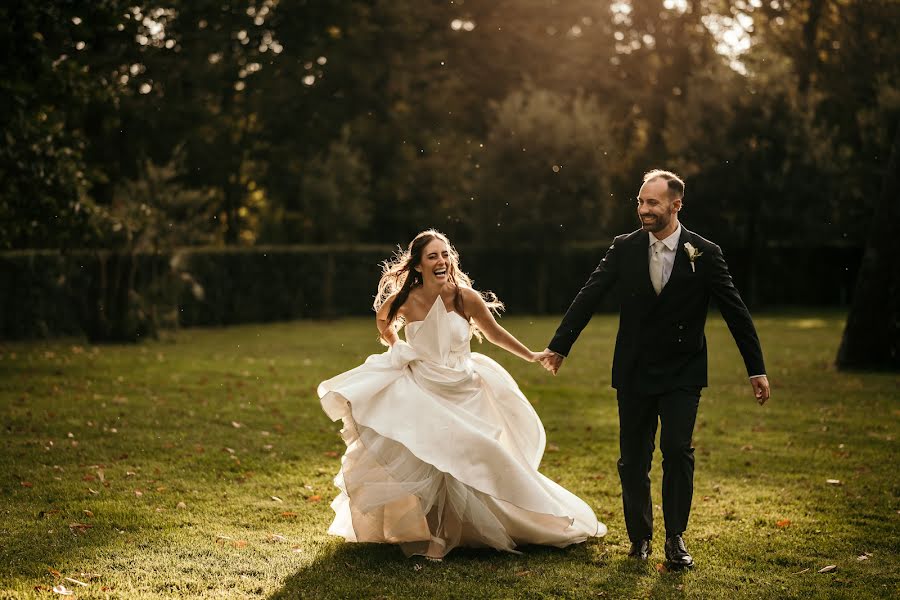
{"x":109,"y":296}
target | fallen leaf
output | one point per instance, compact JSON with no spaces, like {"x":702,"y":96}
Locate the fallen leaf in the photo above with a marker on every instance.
{"x":79,"y":527}
{"x":62,"y":590}
{"x":236,"y":425}
{"x":800,"y":572}
{"x":55,"y":573}
{"x":828,"y":569}
{"x":661,"y":568}
{"x":288,"y":514}
{"x":240,"y":543}
{"x":277,"y":538}
{"x":138,"y":493}
{"x":316,"y":498}
{"x":833,"y":482}
{"x":75,"y":581}
{"x":94,"y":492}
{"x":296,"y":549}
{"x":27,"y":484}
{"x":782,"y":523}
{"x":552,"y":448}
{"x":223,"y":538}
{"x":277,"y":499}
{"x":862,"y":557}
{"x":522,"y":573}
{"x":332,"y":454}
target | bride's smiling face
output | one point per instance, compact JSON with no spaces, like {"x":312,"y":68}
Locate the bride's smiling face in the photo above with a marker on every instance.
{"x":436,"y":264}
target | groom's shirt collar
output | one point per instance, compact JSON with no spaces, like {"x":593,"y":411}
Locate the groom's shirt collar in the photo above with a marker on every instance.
{"x":671,"y":242}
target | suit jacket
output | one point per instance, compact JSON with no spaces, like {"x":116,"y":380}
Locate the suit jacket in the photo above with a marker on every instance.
{"x":661,"y":344}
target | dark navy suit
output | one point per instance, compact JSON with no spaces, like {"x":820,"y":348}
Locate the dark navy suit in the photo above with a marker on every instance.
{"x":660,"y":362}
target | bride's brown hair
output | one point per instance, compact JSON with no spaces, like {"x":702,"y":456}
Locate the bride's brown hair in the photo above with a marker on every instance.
{"x":399,"y":276}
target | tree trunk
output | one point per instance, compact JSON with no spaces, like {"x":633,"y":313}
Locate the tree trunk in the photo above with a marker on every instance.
{"x":872,"y":334}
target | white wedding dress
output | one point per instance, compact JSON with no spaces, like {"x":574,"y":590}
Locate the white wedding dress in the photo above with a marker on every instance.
{"x":443,"y":451}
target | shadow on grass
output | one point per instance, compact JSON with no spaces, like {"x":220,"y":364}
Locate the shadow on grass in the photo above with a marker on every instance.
{"x":350,"y":570}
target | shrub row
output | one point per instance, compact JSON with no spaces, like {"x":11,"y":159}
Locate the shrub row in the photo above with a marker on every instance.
{"x":111,"y":296}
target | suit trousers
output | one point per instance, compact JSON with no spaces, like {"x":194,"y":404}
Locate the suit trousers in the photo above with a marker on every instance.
{"x":676,"y":412}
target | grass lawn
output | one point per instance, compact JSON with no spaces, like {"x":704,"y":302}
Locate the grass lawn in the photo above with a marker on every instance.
{"x":200,"y":465}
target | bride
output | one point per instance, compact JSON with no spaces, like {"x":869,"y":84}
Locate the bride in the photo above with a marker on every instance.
{"x":442,"y":447}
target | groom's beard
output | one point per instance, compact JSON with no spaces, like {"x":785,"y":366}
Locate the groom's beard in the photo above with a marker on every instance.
{"x":654,"y":223}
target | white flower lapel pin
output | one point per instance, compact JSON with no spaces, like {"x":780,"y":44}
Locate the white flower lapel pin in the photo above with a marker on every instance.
{"x":693,"y":255}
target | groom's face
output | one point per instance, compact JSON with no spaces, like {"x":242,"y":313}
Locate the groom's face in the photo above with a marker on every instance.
{"x":655,"y":206}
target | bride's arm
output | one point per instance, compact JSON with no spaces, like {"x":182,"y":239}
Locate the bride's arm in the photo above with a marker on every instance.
{"x":492,"y":330}
{"x":385,"y":331}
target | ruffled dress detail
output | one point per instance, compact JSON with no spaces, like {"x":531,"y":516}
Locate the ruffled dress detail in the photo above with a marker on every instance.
{"x":443,"y":451}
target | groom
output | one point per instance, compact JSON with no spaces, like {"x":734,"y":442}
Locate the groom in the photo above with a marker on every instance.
{"x":665,"y":277}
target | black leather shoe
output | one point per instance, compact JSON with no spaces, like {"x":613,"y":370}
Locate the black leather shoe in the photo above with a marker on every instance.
{"x":677,"y":554}
{"x":640,"y":550}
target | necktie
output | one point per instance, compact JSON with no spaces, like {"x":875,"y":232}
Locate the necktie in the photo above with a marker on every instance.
{"x":656,"y":266}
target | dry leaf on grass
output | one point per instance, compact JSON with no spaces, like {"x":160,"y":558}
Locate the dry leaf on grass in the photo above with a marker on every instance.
{"x":27,"y":484}
{"x":288,"y":514}
{"x":782,"y":523}
{"x":522,"y":573}
{"x":833,"y":482}
{"x":276,"y":499}
{"x":76,"y":582}
{"x":277,"y":538}
{"x":55,"y":573}
{"x":801,"y":572}
{"x":79,"y":527}
{"x":661,"y":568}
{"x":332,"y":454}
{"x":862,"y":557}
{"x":828,"y":569}
{"x":87,"y":513}
{"x":316,"y":498}
{"x":181,"y":506}
{"x":62,"y":590}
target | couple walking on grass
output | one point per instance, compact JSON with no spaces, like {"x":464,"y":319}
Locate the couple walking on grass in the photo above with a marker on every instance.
{"x":443,"y":448}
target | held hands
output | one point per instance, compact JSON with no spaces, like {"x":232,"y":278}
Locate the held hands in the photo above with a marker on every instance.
{"x":761,"y":389}
{"x":550,"y":360}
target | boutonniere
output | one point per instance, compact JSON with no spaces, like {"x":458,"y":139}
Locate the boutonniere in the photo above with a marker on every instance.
{"x":693,"y":255}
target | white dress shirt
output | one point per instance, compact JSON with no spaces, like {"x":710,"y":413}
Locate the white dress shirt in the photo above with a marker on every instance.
{"x":670,"y":247}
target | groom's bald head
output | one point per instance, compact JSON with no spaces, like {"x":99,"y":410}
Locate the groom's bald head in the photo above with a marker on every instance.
{"x":674,"y":183}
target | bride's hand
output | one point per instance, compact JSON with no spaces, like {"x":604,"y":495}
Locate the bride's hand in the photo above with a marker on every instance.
{"x":538,"y":356}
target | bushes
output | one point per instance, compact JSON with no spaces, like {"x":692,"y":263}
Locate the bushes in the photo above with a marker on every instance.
{"x":109,"y":296}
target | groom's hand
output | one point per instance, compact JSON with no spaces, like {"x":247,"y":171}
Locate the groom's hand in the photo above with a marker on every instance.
{"x":761,"y":389}
{"x":551,"y":360}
